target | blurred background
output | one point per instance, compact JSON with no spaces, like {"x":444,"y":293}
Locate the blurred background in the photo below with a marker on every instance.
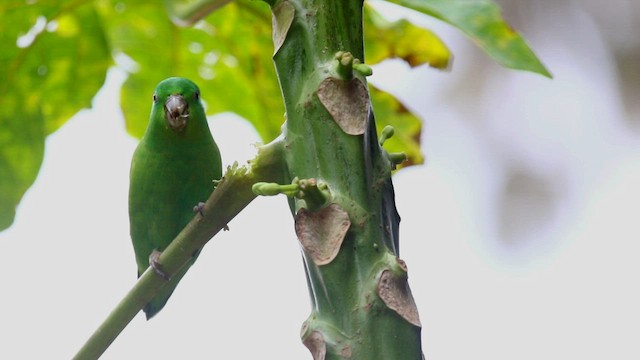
{"x":520,"y":231}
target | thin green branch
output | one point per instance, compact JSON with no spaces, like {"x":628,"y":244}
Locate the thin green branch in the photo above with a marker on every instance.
{"x":187,"y":13}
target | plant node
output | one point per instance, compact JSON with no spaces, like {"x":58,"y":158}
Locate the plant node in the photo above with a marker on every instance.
{"x":347,"y":64}
{"x":316,"y":194}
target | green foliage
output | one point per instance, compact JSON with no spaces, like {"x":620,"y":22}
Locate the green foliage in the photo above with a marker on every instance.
{"x":481,"y":20}
{"x":54,"y":56}
{"x":231,"y":63}
{"x":42,"y":84}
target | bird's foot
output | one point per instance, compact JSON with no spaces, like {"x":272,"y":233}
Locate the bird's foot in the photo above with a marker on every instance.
{"x":155,"y":264}
{"x":199,"y":209}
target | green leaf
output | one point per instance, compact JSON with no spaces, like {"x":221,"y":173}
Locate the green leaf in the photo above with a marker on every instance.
{"x":401,"y":39}
{"x":408,"y":128}
{"x":227,"y":55}
{"x":53,"y":59}
{"x":21,"y":153}
{"x":481,"y":20}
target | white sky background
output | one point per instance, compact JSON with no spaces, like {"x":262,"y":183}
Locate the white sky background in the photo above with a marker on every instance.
{"x":565,"y":289}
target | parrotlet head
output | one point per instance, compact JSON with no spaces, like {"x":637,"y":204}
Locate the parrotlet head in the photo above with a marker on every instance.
{"x":179,"y":100}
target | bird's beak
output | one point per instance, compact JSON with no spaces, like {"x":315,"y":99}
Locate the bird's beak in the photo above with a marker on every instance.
{"x":176,"y":112}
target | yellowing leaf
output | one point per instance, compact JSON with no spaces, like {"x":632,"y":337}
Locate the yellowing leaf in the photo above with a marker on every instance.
{"x":408,"y":128}
{"x":401,"y":39}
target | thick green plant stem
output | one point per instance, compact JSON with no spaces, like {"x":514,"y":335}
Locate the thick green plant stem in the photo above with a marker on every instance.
{"x":232,"y":194}
{"x":188,"y":12}
{"x":362,"y":306}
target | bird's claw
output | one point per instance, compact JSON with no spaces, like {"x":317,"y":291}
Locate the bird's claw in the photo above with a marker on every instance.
{"x":199,"y":209}
{"x":155,"y":264}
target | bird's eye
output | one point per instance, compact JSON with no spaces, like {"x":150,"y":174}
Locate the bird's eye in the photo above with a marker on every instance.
{"x":196,"y":95}
{"x":155,"y":97}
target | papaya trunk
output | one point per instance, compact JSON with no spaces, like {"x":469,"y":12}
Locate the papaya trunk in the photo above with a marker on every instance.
{"x":345,"y":214}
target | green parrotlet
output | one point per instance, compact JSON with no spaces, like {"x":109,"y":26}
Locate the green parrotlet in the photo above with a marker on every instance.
{"x":172,"y":172}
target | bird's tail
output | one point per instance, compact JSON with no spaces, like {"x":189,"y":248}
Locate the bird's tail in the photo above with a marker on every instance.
{"x":159,"y":301}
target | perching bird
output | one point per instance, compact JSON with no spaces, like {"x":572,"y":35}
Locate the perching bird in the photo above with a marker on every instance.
{"x":173,"y":169}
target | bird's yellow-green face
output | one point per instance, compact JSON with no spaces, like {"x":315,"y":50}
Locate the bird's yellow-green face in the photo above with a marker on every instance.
{"x":178,"y":97}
